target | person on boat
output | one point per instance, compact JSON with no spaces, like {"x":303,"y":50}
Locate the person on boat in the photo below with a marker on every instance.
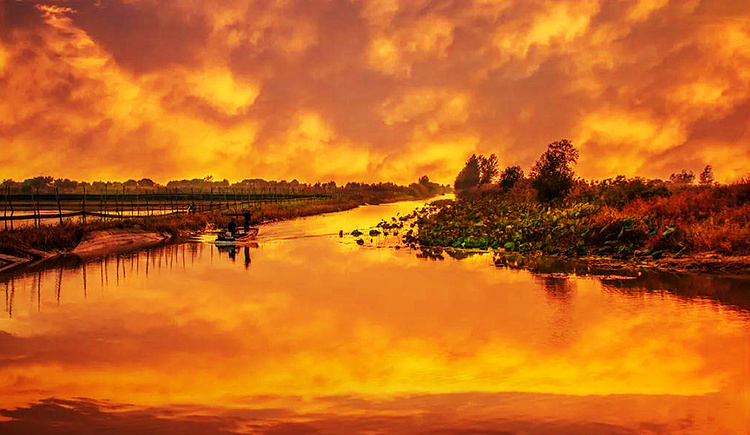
{"x":232,"y":227}
{"x":247,"y":217}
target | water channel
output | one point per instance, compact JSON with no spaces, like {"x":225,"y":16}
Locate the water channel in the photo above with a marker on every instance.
{"x":308,"y":332}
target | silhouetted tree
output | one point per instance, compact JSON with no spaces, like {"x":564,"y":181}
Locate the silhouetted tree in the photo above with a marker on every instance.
{"x":707,"y":176}
{"x":469,"y":175}
{"x":552,"y":175}
{"x":683,"y":177}
{"x":65,"y":184}
{"x":510,"y":177}
{"x":487,"y":169}
{"x":146,"y":182}
{"x":40,"y":182}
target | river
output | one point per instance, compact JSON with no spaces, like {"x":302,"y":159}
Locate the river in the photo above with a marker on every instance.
{"x":305,"y":331}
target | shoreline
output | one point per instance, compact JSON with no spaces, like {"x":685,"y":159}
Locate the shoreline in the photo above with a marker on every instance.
{"x":101,"y":239}
{"x":701,"y":263}
{"x":705,"y":263}
{"x":102,"y":242}
{"x":94,"y":244}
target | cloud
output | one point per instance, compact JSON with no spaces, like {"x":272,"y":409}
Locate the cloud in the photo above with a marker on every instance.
{"x":137,"y":88}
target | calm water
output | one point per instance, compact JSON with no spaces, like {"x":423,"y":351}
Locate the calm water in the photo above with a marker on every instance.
{"x":306,"y":332}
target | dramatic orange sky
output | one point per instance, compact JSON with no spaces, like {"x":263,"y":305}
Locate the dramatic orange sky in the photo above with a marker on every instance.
{"x":370,"y":90}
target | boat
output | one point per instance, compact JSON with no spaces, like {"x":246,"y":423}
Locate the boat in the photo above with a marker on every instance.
{"x":226,"y":239}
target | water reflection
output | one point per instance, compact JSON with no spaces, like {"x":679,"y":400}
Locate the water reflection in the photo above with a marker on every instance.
{"x":304,"y":334}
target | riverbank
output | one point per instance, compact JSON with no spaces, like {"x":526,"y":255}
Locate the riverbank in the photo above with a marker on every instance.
{"x":30,"y":244}
{"x":705,"y":235}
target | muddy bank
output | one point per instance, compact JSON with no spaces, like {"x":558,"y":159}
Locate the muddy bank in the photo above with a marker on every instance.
{"x":113,"y":241}
{"x":705,"y":263}
{"x":24,"y":256}
{"x":709,"y":263}
{"x":95,"y":243}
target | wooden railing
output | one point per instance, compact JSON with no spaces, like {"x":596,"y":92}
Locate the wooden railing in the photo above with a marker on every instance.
{"x":120,"y":205}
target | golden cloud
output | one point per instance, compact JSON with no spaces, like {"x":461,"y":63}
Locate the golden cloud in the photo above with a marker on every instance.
{"x":353,"y":90}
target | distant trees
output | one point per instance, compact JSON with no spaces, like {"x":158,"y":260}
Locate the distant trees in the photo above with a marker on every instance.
{"x":146,"y":182}
{"x":619,"y":191}
{"x":478,"y":170}
{"x":683,"y":177}
{"x":552,"y":175}
{"x":707,"y":176}
{"x":424,"y":187}
{"x":509,"y":177}
{"x":36,"y":183}
{"x":469,"y":175}
{"x":65,"y":184}
{"x":487,"y":169}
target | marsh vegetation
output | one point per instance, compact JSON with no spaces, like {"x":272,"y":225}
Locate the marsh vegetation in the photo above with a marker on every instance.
{"x":552,"y":212}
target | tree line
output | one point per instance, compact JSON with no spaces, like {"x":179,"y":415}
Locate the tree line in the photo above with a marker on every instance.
{"x":47,"y":184}
{"x":553,"y":177}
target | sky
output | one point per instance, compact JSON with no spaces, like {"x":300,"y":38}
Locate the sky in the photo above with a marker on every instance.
{"x":384,"y":90}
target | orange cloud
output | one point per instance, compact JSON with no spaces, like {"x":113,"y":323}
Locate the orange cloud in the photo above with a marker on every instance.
{"x":121,"y":89}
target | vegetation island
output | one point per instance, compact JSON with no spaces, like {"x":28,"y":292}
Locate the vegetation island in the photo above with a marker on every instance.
{"x":677,"y":224}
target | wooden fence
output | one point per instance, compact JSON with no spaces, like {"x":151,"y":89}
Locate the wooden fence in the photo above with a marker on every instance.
{"x":57,"y":206}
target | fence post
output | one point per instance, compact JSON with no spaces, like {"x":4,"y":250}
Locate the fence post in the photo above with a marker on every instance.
{"x":83,"y":206}
{"x":6,"y":193}
{"x":59,"y":209}
{"x":33,"y":200}
{"x":12,"y":210}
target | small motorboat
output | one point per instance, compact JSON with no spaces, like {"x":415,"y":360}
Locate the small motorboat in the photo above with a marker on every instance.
{"x":226,"y":239}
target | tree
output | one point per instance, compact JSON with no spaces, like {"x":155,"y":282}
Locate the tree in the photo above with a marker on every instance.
{"x":552,"y":175}
{"x":707,"y":176}
{"x":146,"y":182}
{"x":487,"y":169}
{"x":683,"y":177}
{"x":469,"y":175}
{"x":41,"y":182}
{"x":510,"y":176}
{"x":65,"y":184}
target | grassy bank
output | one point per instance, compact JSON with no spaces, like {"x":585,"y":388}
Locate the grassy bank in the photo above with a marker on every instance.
{"x":33,"y":242}
{"x":22,"y":242}
{"x":607,"y":222}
